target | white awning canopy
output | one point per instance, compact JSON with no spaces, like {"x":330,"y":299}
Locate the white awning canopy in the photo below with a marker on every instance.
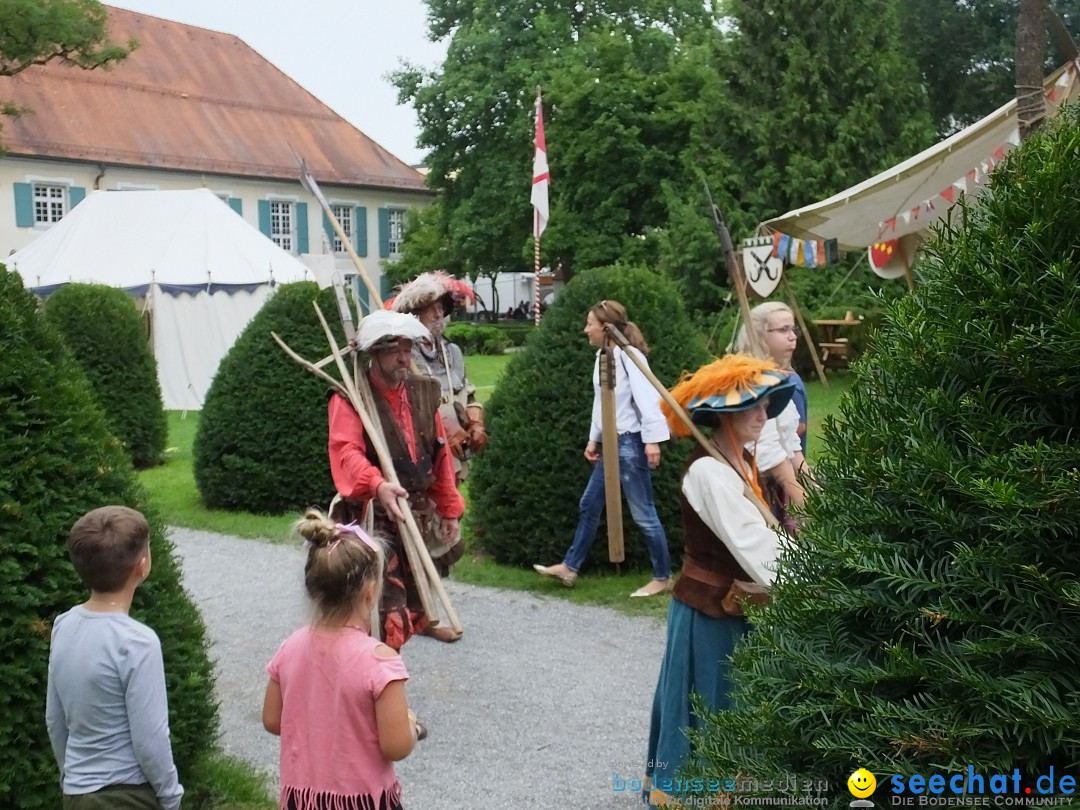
{"x":905,"y":200}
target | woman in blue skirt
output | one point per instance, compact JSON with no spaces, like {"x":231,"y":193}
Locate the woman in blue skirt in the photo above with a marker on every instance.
{"x":731,"y":544}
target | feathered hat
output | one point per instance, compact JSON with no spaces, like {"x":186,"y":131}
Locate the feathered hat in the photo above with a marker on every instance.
{"x":735,"y":382}
{"x":428,"y":288}
{"x":382,"y":328}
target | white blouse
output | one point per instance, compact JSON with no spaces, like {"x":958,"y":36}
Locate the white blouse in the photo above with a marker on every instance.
{"x":637,"y":403}
{"x":779,"y":439}
{"x":715,"y":491}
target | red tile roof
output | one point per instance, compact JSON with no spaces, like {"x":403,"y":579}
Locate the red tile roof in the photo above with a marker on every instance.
{"x":195,"y":100}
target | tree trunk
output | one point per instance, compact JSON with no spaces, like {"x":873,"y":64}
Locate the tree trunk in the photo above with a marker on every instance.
{"x":1030,"y":38}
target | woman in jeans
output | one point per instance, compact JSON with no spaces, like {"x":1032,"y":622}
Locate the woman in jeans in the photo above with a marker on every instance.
{"x":641,"y":427}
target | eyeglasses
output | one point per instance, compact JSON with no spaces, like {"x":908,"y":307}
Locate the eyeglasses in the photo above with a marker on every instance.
{"x":786,"y":330}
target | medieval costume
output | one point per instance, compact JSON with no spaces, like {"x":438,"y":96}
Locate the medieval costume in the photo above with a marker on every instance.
{"x":416,"y":439}
{"x":432,"y":297}
{"x":731,"y":544}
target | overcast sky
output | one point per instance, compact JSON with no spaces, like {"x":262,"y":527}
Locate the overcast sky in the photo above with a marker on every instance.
{"x":340,"y":50}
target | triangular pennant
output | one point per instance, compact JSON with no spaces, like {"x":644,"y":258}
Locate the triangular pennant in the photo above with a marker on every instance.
{"x":915,"y":212}
{"x":973,"y":176}
{"x":949,"y":194}
{"x":906,"y":216}
{"x":999,"y":153}
{"x":890,"y":224}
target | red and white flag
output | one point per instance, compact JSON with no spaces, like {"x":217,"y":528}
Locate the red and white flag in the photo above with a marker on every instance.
{"x":541,"y":177}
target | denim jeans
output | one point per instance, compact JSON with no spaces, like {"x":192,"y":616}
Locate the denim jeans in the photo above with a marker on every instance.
{"x":636,"y":480}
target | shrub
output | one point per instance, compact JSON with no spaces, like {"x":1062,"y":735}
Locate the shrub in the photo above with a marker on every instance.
{"x":478,"y":339}
{"x":925,"y":620}
{"x":58,"y":461}
{"x":526,"y":485}
{"x":262,"y":440}
{"x":105,"y":333}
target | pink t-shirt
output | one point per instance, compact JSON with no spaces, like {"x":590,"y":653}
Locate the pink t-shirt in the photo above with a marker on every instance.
{"x":329,"y":682}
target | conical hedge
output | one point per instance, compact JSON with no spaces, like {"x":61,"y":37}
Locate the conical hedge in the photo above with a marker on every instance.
{"x":57,"y":462}
{"x":262,"y":439}
{"x":105,"y":333}
{"x":926,"y":619}
{"x":525,"y":487}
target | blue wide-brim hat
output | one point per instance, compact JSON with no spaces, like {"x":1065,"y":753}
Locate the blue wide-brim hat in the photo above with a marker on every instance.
{"x":736,"y":382}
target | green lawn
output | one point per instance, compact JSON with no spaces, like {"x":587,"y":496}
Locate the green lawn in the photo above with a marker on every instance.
{"x":172,"y":490}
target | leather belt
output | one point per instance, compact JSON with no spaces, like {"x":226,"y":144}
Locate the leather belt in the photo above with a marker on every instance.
{"x":695,"y":571}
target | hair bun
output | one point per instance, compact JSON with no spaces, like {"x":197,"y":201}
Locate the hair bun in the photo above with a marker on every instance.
{"x":316,"y":528}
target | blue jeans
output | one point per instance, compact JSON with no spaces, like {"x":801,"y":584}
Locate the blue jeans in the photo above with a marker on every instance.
{"x":636,"y":480}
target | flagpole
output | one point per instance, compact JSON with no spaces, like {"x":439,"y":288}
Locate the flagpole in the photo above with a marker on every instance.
{"x":536,"y":268}
{"x":539,"y":199}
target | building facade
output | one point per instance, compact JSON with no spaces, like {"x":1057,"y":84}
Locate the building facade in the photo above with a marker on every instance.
{"x":197,"y":108}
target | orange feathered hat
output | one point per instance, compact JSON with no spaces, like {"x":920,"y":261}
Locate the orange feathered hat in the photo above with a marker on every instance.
{"x":735,"y":382}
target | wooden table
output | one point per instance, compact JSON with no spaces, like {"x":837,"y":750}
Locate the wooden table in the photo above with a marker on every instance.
{"x":833,"y":349}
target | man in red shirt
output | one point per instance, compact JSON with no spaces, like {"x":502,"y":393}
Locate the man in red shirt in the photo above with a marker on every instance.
{"x":407,"y":407}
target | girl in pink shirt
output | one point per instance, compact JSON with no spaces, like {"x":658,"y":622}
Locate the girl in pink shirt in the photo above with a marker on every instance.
{"x":336,"y":695}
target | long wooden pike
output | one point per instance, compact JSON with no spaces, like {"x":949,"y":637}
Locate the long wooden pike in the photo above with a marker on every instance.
{"x":612,"y":484}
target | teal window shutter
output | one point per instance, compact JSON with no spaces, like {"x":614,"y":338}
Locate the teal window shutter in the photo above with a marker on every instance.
{"x":264,"y":217}
{"x":365,"y":302}
{"x":329,"y":228}
{"x":76,"y":194}
{"x":301,"y":228}
{"x":385,"y":286}
{"x":24,"y":205}
{"x":384,"y":233}
{"x":360,"y":229}
{"x":237,"y":205}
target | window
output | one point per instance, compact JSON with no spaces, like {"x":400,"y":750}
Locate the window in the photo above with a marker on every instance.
{"x":281,"y":224}
{"x":50,"y":203}
{"x":344,"y":215}
{"x":397,"y":230}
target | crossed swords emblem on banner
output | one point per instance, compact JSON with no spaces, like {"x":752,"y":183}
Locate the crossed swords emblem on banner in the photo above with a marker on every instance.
{"x":762,"y":269}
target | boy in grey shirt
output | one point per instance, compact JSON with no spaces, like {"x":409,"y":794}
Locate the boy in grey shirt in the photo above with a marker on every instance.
{"x":106,"y":708}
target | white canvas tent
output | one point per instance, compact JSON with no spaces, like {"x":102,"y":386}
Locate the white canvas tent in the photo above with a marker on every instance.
{"x":904,"y":201}
{"x":202,"y":271}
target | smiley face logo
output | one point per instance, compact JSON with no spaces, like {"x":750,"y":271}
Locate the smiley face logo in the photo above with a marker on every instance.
{"x":861,"y":783}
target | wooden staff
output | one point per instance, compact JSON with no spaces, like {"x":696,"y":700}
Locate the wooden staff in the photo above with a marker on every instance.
{"x":612,"y":485}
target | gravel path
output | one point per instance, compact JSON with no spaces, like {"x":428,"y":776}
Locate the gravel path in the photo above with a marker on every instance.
{"x":538,"y":705}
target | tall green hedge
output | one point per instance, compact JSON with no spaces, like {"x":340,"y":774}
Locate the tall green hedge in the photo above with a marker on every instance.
{"x":57,"y":462}
{"x":926,"y":619}
{"x":525,"y":487}
{"x":262,"y":440}
{"x":105,"y":333}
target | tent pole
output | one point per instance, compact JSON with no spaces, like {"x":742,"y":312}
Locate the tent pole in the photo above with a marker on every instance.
{"x":907,"y":265}
{"x":802,"y":325}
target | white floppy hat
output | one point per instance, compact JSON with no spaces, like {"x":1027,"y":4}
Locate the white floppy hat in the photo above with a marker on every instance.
{"x":385,"y":328}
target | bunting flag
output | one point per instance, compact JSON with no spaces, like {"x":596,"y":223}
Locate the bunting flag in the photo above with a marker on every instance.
{"x":802,"y":252}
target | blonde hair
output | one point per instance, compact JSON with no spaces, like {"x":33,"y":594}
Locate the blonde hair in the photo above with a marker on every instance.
{"x":611,"y":311}
{"x":340,"y":565}
{"x":759,"y":322}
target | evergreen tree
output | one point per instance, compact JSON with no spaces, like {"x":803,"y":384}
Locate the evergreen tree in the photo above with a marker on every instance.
{"x":825,"y":95}
{"x":525,"y":487}
{"x":102,"y":328}
{"x":57,"y":462}
{"x":924,"y":621}
{"x":261,"y":445}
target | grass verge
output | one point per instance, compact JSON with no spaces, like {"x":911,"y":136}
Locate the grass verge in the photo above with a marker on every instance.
{"x":219,"y":782}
